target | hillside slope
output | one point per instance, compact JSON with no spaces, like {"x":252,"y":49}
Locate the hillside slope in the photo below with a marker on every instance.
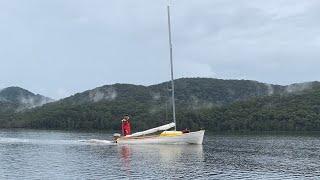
{"x":14,"y":99}
{"x":291,"y":112}
{"x":201,"y":102}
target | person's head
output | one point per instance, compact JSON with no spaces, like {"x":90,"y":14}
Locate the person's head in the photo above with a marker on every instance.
{"x":126,"y":117}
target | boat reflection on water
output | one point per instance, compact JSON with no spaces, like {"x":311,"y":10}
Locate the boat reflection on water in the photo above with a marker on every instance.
{"x":160,"y":159}
{"x":125,"y":154}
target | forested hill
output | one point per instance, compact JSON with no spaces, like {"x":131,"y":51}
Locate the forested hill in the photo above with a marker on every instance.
{"x":292,"y":112}
{"x":216,"y":92}
{"x":213,"y":104}
{"x":14,"y":99}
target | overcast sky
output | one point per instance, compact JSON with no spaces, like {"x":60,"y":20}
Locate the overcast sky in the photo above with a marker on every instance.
{"x":60,"y":47}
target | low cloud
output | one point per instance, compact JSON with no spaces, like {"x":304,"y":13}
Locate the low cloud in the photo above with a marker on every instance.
{"x":270,"y":89}
{"x":295,"y":88}
{"x":32,"y":102}
{"x":100,"y":94}
{"x":156,"y":96}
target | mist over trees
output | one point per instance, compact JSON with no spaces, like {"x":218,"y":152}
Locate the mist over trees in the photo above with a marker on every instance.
{"x":202,"y":103}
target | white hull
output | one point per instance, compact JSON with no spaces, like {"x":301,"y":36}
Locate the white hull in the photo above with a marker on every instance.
{"x":187,"y":138}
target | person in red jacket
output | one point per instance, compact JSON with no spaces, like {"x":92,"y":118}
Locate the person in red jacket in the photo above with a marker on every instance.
{"x":126,"y":126}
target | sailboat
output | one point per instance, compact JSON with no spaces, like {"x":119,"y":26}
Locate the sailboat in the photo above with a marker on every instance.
{"x":165,"y":137}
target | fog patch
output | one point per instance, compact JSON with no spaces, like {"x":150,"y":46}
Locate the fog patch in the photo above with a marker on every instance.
{"x":154,"y":109}
{"x":270,"y":89}
{"x":31,"y":102}
{"x":2,"y":99}
{"x":294,"y":88}
{"x":156,"y":96}
{"x":196,"y":104}
{"x":97,"y":95}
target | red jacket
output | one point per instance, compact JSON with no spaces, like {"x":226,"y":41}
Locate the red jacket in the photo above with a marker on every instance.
{"x":126,"y":128}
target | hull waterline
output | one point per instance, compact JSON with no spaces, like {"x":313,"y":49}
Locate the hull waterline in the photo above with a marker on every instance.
{"x":187,"y":138}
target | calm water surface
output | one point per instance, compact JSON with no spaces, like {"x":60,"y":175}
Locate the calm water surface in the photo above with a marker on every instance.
{"x":30,"y":154}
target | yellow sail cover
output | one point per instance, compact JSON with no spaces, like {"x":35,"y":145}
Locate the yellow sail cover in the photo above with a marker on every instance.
{"x":171,"y":133}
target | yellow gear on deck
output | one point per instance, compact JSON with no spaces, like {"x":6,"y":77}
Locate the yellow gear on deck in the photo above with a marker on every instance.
{"x":171,"y":133}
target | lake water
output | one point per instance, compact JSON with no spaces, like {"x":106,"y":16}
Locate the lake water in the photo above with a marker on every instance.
{"x":31,"y":154}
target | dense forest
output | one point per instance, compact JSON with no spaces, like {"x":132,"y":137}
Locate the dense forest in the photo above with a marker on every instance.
{"x":202,"y":103}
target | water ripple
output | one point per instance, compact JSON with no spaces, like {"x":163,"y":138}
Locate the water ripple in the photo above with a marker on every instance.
{"x":67,"y":155}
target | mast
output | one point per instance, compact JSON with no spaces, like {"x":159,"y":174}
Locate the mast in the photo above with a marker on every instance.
{"x":171,"y":63}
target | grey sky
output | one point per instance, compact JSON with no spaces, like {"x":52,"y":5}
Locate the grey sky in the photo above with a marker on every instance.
{"x":60,"y":47}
